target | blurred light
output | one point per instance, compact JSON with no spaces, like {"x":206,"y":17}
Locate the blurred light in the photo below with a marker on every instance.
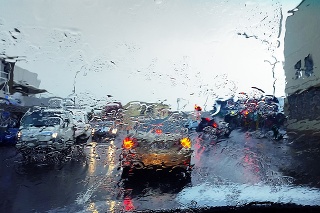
{"x":54,"y":135}
{"x":112,"y":207}
{"x":93,"y":161}
{"x":19,"y":134}
{"x":128,"y":204}
{"x":92,"y":208}
{"x":127,"y":143}
{"x":114,"y":131}
{"x":185,"y":142}
{"x":158,"y":131}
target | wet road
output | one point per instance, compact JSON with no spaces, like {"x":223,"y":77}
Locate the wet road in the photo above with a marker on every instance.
{"x":90,"y":182}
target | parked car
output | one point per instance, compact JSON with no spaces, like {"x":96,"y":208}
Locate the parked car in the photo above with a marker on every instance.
{"x":45,"y":130}
{"x":156,"y":144}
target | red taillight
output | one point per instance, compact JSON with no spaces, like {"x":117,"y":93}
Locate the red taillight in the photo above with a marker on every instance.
{"x":128,"y":143}
{"x":215,"y":125}
{"x":158,"y":131}
{"x":128,"y":204}
{"x":207,"y":119}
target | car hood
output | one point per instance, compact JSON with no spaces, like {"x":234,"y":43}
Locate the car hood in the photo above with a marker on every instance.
{"x":44,"y":130}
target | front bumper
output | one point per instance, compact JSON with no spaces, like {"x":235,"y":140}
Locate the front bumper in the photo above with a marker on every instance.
{"x":52,"y":145}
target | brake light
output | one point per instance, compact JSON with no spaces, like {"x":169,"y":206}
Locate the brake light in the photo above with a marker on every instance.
{"x":215,"y":125}
{"x":185,"y":142}
{"x":158,"y":131}
{"x":245,"y":113}
{"x":207,"y":119}
{"x":128,"y":143}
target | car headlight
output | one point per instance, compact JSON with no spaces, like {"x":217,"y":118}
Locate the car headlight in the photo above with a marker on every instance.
{"x":19,"y":135}
{"x":114,"y":131}
{"x":54,"y":135}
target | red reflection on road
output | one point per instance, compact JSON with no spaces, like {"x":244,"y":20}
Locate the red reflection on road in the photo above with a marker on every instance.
{"x":128,"y":204}
{"x":251,"y":165}
{"x":198,"y":148}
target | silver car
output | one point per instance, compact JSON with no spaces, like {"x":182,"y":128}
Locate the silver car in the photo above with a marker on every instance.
{"x":157,"y":144}
{"x":45,"y":131}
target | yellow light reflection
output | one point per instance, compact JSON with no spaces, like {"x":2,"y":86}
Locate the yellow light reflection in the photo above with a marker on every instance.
{"x":92,"y":208}
{"x":185,"y":142}
{"x":93,"y":161}
{"x":112,"y":207}
{"x":111,"y":158}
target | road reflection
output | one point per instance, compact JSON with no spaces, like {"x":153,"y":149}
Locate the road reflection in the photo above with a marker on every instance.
{"x":92,"y":157}
{"x":92,"y":208}
{"x":92,"y":182}
{"x":151,"y":185}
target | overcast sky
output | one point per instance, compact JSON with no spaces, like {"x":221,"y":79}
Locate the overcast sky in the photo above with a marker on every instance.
{"x":148,"y":50}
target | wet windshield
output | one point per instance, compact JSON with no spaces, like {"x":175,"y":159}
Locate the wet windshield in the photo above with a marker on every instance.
{"x":79,"y":117}
{"x":237,"y":80}
{"x":40,"y":119}
{"x":173,"y":123}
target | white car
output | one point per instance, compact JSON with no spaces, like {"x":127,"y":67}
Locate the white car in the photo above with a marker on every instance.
{"x":45,"y":130}
{"x":83,"y":129}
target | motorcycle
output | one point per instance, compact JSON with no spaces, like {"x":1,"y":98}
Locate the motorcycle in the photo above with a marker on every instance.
{"x":214,"y":129}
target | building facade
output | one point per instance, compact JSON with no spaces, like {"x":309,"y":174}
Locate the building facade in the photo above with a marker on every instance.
{"x":302,"y":56}
{"x":17,"y":84}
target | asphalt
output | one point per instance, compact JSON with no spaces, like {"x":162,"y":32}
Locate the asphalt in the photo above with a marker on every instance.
{"x":91,"y":181}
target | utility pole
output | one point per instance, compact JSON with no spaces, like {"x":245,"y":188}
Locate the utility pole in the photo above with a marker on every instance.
{"x":74,"y":88}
